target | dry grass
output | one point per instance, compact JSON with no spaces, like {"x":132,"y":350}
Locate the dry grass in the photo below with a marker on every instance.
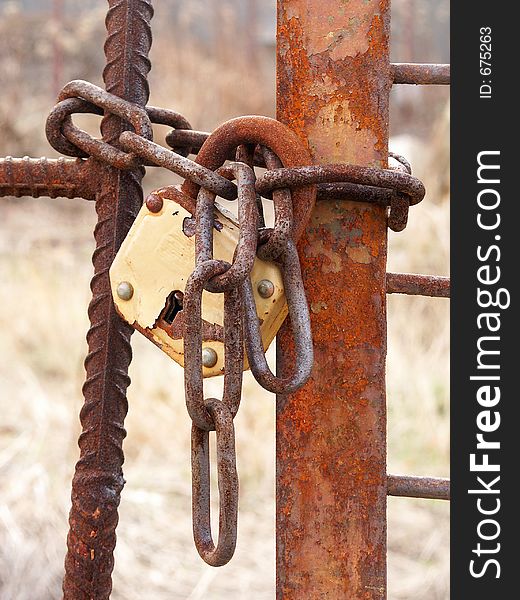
{"x":45,"y":268}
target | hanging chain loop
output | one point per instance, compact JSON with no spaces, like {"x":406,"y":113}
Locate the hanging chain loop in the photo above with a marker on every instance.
{"x":300,"y":324}
{"x":234,"y":281}
{"x":227,"y":486}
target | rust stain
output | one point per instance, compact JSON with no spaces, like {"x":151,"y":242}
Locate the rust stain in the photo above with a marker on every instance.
{"x":331,"y":262}
{"x":316,"y":61}
{"x":341,"y":36}
{"x":359,"y":255}
{"x":351,"y":139}
{"x":316,"y":307}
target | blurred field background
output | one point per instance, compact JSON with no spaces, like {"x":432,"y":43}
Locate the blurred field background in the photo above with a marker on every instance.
{"x":209,"y":66}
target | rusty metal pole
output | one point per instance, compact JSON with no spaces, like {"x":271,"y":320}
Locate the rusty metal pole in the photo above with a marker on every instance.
{"x":98,"y":479}
{"x":333,"y":87}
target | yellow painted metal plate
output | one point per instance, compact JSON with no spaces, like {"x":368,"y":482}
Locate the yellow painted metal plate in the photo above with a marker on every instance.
{"x":156,"y":259}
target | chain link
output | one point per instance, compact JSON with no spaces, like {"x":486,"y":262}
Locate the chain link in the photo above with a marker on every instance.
{"x":300,"y":324}
{"x":227,"y":484}
{"x":277,"y":238}
{"x":233,"y":344}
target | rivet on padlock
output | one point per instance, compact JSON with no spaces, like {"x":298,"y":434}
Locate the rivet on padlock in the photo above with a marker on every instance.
{"x":149,"y":275}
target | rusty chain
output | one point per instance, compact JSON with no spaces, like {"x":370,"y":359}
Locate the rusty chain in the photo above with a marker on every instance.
{"x":293,"y":184}
{"x":339,"y":181}
{"x":395,"y":188}
{"x":239,"y":313}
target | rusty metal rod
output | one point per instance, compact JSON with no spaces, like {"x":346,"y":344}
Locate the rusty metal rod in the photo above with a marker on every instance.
{"x":420,"y":74}
{"x":436,"y":488}
{"x":98,"y":479}
{"x":333,"y":89}
{"x":45,"y":177}
{"x":418,"y":285}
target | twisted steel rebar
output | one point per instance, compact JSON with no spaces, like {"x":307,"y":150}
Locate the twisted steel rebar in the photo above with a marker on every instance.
{"x":98,"y":479}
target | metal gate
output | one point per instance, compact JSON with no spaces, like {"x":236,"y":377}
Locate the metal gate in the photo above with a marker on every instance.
{"x":333,"y":83}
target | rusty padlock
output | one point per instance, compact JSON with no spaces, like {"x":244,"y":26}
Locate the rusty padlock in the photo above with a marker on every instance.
{"x":150,"y":271}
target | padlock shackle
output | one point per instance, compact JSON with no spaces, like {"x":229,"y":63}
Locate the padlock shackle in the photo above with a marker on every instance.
{"x":276,"y":136}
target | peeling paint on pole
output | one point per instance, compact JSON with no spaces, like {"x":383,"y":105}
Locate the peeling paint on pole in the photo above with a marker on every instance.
{"x":333,"y":89}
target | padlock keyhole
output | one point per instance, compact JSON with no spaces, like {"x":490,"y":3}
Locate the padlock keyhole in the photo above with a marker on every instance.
{"x":173,"y":306}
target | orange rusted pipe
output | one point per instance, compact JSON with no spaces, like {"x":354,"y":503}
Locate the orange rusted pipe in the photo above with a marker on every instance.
{"x":333,"y":83}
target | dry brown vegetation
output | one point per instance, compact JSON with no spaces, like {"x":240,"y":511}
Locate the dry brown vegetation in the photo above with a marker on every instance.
{"x":45,"y":249}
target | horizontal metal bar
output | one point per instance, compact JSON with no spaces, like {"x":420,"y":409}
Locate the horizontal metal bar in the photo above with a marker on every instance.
{"x":67,"y":178}
{"x":420,"y":74}
{"x":436,"y":488}
{"x":418,"y":285}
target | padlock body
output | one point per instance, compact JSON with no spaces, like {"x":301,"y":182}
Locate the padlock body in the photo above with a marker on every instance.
{"x":155,"y":261}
